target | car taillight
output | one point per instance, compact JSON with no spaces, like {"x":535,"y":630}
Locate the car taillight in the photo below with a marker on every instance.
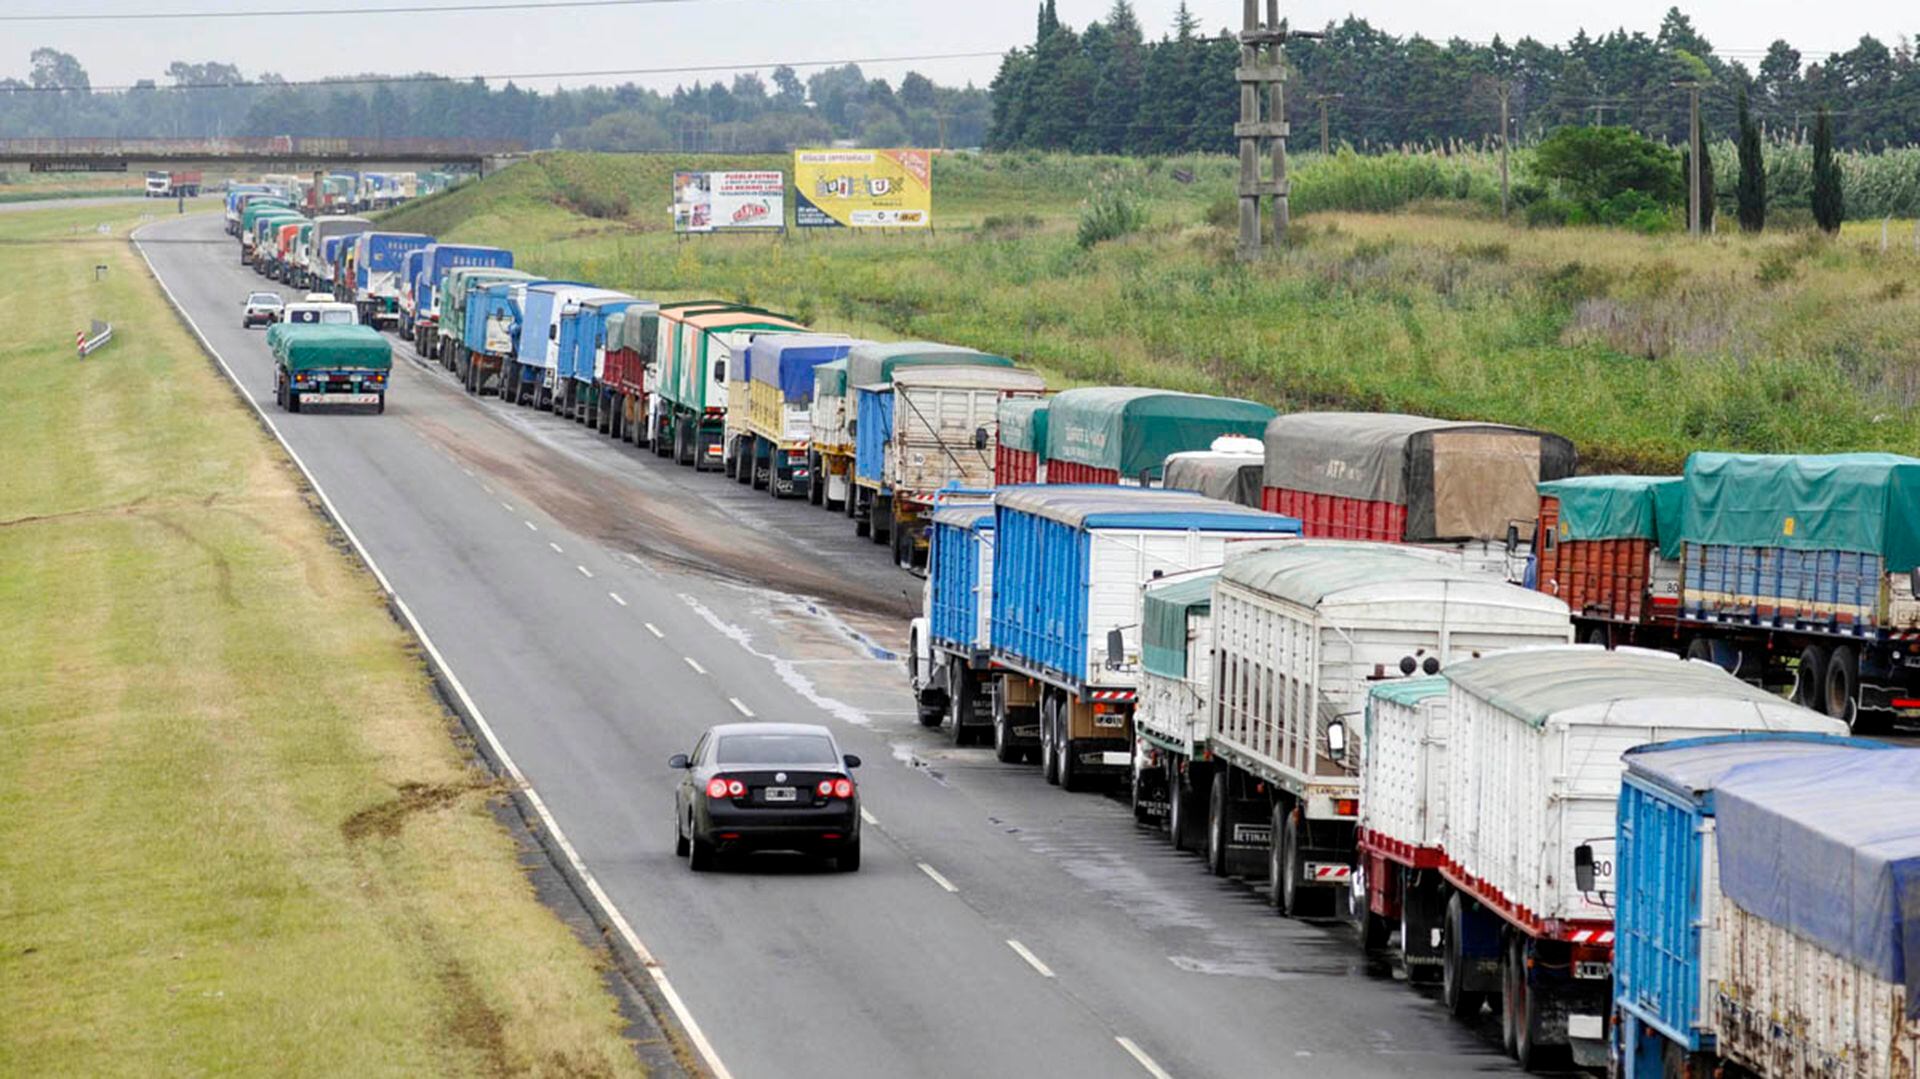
{"x":722,"y":787}
{"x":843,"y":788}
{"x":825,"y":789}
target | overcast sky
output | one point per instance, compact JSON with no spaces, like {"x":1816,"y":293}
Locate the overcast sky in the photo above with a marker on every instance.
{"x":713,"y":32}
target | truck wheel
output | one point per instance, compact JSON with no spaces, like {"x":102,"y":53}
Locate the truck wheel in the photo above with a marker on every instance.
{"x":1511,"y":997}
{"x":1004,"y":749}
{"x":1843,"y":688}
{"x":1185,"y":815}
{"x":1218,"y":826}
{"x":1049,"y":751}
{"x":1071,"y":778}
{"x":1462,"y":1003}
{"x":1283,"y":861}
{"x":380,"y":407}
{"x":962,"y":699}
{"x":1810,"y":679}
{"x":816,"y":490}
{"x":902,"y":544}
{"x":1526,"y":1016}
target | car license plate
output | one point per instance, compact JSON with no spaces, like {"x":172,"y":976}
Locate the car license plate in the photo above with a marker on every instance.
{"x":782,"y":794}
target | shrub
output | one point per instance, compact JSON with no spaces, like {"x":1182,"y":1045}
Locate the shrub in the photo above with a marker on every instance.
{"x":1595,"y":164}
{"x":1223,"y":212}
{"x":1550,"y":212}
{"x":1111,"y":212}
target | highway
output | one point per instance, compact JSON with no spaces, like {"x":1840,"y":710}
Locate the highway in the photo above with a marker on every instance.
{"x":603,"y":606}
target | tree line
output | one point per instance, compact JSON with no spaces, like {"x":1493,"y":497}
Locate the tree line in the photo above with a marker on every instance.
{"x":1106,"y":88}
{"x":745,"y":115}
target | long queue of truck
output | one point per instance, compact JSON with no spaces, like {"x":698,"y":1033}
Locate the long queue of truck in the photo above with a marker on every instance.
{"x":1405,"y":671}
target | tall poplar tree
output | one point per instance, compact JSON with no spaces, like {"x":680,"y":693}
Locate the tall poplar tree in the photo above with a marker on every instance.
{"x":1751,"y":193}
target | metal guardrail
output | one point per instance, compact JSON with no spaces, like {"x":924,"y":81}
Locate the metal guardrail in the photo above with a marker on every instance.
{"x":92,"y":340}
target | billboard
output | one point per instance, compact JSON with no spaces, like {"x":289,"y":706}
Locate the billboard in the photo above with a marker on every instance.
{"x":726,"y":201}
{"x":863,"y":189}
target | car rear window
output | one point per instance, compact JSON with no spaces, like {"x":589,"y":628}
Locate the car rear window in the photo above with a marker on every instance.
{"x":263,"y":297}
{"x":775,"y":749}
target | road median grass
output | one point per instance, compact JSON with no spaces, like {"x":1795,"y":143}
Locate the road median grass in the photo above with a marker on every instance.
{"x":238,"y":833}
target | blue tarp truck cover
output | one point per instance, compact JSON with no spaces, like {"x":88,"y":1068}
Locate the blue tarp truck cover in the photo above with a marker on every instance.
{"x":539,"y":320}
{"x":1663,"y":906}
{"x":383,"y":252}
{"x":1830,"y":848}
{"x":787,"y":360}
{"x":439,"y":258}
{"x":959,"y":537}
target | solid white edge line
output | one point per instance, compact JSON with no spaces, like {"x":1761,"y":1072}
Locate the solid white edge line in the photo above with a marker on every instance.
{"x":1032,"y":959}
{"x":1146,"y":1061}
{"x":739,"y":707}
{"x":615,"y":596}
{"x":695,"y":664}
{"x":680,"y":1010}
{"x":937,"y":878}
{"x":655,"y":630}
{"x":585,"y":572}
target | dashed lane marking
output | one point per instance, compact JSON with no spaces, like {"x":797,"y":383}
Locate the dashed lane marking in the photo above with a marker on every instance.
{"x":1146,"y":1061}
{"x":695,"y":664}
{"x":615,"y":596}
{"x":585,"y":572}
{"x":655,"y":630}
{"x":739,"y":707}
{"x":1032,"y":959}
{"x":937,"y":877}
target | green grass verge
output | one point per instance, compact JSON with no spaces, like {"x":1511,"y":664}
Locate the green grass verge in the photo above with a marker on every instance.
{"x":1638,"y":348}
{"x":237,"y":833}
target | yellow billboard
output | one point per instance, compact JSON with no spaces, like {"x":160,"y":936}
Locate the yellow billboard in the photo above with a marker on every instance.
{"x":863,"y":189}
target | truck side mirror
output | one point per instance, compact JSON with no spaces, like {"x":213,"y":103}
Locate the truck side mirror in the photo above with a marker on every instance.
{"x":1583,"y":867}
{"x":1337,"y":740}
{"x":1513,"y":537}
{"x":853,"y":426}
{"x":979,"y":438}
{"x":1116,"y":650}
{"x":719,"y":370}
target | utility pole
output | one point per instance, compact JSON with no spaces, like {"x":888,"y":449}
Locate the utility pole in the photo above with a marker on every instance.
{"x":1506,"y":90}
{"x":1262,"y":74}
{"x":1321,"y":100}
{"x":942,"y":117}
{"x":1692,"y":87}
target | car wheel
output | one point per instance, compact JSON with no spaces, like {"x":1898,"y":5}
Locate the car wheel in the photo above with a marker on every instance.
{"x":848,"y":860}
{"x":699,"y":855}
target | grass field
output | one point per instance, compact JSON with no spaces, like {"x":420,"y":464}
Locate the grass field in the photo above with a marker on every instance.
{"x":237,"y":833}
{"x":1639,"y":348}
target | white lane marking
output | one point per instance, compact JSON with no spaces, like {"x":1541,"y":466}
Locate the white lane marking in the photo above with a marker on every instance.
{"x":937,"y":878}
{"x":695,"y":664}
{"x":556,"y":547}
{"x":620,"y":924}
{"x":585,"y":572}
{"x":1146,"y":1061}
{"x":508,"y":506}
{"x":487,"y":488}
{"x":739,"y":707}
{"x":615,"y":596}
{"x":655,"y":630}
{"x":1032,"y":959}
{"x":868,"y":817}
{"x":467,"y":470}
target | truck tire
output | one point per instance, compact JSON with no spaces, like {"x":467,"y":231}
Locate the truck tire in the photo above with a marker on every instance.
{"x":963,"y":697}
{"x":1219,"y":824}
{"x":1810,"y":679}
{"x":1186,"y":810}
{"x":902,"y":544}
{"x":1524,"y":1016}
{"x":1843,"y":688}
{"x":1462,"y":1003}
{"x":880,"y":519}
{"x":816,"y":489}
{"x":1049,"y":751}
{"x":293,"y":398}
{"x":1071,"y":778}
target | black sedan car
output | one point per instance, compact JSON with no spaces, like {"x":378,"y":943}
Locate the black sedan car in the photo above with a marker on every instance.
{"x":767,"y":786}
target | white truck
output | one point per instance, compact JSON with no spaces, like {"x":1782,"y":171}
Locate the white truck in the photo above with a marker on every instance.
{"x":1300,"y":631}
{"x":1535,"y":747}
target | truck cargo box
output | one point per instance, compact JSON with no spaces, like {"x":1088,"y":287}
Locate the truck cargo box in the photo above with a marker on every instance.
{"x":1546,"y":729}
{"x":378,"y":258}
{"x":960,"y":577}
{"x":1396,"y":478}
{"x":945,"y":423}
{"x":1609,"y":546}
{"x":1070,"y":561}
{"x":1231,"y":475}
{"x":1124,"y":434}
{"x":780,"y":370}
{"x":1302,"y":630}
{"x":324,"y":347}
{"x":1820,"y":543}
{"x":827,"y":412}
{"x":1403,"y":793}
{"x":631,"y":336}
{"x":1021,"y":455}
{"x":1176,"y":660}
{"x":1668,"y":936}
{"x":871,"y":370}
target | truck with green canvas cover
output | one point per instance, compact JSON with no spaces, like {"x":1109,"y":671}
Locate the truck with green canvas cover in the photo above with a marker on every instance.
{"x":1124,"y":434}
{"x":451,"y":328}
{"x":1609,"y":548}
{"x":317,"y":364}
{"x":698,"y":344}
{"x":1803,"y":571}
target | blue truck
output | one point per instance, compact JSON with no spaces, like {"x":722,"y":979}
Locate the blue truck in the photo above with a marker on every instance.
{"x":1752,"y":902}
{"x":1068,"y":565}
{"x":426,"y":279}
{"x":950,"y":652}
{"x":582,"y":355}
{"x":378,"y":259}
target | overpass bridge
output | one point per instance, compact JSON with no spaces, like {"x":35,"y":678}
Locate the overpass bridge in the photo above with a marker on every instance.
{"x":288,"y":153}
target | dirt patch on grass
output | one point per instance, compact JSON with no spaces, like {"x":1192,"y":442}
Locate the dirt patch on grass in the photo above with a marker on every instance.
{"x":386,"y":819}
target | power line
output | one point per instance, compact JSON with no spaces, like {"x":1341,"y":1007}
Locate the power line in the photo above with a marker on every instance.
{"x":378,"y":80}
{"x":284,"y":13}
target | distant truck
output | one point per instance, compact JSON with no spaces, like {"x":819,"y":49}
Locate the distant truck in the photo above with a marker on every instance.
{"x":582,"y":354}
{"x":377,"y":259}
{"x":831,"y":457}
{"x":459,"y":291}
{"x":1231,"y":471}
{"x":776,"y":412}
{"x":1528,"y":864}
{"x":628,"y":371}
{"x":237,"y":196}
{"x":176,"y":184}
{"x":950,"y":653}
{"x":1021,"y":454}
{"x":319,"y":365}
{"x":543,"y":306}
{"x":322,"y":245}
{"x":698,"y":342}
{"x":1609,"y":548}
{"x":1469,"y":487}
{"x":1124,"y":434}
{"x":1762,"y":929}
{"x":436,"y":261}
{"x":1067,"y":570}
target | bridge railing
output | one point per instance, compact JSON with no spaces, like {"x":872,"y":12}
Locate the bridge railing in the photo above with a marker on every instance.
{"x":290,"y":146}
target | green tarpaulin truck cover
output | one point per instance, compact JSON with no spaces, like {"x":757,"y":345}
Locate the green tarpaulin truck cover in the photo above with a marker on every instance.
{"x":1163,"y":622}
{"x":1620,"y":507}
{"x":1132,"y":430}
{"x":873,"y":364}
{"x":315,"y":347}
{"x":1863,"y":502}
{"x":1023,"y":423}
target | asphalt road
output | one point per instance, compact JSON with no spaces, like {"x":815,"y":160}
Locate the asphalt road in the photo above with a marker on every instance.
{"x":603,"y":606}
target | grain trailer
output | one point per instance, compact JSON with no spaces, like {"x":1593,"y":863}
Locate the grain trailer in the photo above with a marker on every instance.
{"x":1124,"y":434}
{"x":1609,"y":547}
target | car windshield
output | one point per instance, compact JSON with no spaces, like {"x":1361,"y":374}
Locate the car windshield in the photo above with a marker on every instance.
{"x":775,"y":749}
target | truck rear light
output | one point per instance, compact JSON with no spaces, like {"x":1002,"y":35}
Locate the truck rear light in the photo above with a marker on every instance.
{"x":1346,"y":807}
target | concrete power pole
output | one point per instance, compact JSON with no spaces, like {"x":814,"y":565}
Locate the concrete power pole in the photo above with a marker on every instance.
{"x":1321,"y":100}
{"x":1506,"y":90}
{"x":1692,"y":87}
{"x":1262,"y":75}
